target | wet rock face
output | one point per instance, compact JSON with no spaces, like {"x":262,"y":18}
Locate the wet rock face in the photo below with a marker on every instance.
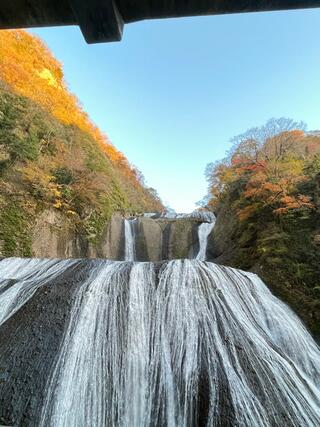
{"x":54,"y":236}
{"x":155,"y":239}
{"x":29,"y":342}
{"x":111,"y":243}
{"x":158,"y":239}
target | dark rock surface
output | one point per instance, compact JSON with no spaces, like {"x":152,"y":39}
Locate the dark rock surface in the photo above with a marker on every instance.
{"x":29,"y":343}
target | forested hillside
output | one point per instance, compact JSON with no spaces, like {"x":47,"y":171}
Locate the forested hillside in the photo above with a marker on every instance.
{"x":52,"y":157}
{"x":266,"y":194}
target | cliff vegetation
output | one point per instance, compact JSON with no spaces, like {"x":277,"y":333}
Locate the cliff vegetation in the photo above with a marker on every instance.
{"x":52,"y":157}
{"x":266,"y":194}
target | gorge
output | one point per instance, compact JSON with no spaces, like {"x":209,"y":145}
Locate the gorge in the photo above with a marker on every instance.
{"x":115,"y":311}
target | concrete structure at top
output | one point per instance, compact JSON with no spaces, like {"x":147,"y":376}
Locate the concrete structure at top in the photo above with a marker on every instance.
{"x":103,"y":20}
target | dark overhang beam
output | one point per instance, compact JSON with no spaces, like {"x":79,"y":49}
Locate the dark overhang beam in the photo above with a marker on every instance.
{"x":100,"y":21}
{"x":103,"y":20}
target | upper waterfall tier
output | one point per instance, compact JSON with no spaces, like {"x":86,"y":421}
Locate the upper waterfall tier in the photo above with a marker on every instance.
{"x":178,"y":344}
{"x":155,"y":237}
{"x":203,"y":216}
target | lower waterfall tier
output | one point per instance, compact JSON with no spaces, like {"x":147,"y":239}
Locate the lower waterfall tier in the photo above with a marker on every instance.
{"x":179,"y":343}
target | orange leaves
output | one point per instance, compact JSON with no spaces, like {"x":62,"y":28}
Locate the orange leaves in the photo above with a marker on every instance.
{"x":247,"y":212}
{"x":259,"y":188}
{"x":298,"y":202}
{"x":297,"y":133}
{"x":247,"y":165}
{"x":255,"y":167}
{"x":266,"y":176}
{"x":288,"y":200}
{"x":281,"y":196}
{"x":29,"y":67}
{"x":275,"y":184}
{"x":271,"y":187}
{"x":305,"y":199}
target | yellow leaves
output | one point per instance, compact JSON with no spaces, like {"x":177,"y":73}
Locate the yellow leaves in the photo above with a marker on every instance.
{"x":49,"y":77}
{"x":28,"y":66}
{"x":31,"y":172}
{"x":56,"y":191}
{"x":227,"y":175}
{"x":289,"y":166}
{"x":43,"y":185}
{"x":57,"y":204}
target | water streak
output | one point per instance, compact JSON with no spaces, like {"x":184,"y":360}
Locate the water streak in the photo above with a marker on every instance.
{"x":190,"y":344}
{"x":129,"y":238}
{"x":204,"y":231}
{"x":20,"y":278}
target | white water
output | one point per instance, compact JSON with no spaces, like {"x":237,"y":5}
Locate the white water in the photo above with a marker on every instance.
{"x":192,"y":343}
{"x":20,"y":278}
{"x":199,"y":340}
{"x":129,"y":238}
{"x":204,"y":230}
{"x":205,"y":216}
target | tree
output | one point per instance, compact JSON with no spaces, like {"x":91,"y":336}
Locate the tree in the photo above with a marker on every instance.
{"x":270,"y":129}
{"x":266,"y":165}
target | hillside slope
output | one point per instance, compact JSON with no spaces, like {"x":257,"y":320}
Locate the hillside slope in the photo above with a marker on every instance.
{"x":55,"y":165}
{"x":266,"y":194}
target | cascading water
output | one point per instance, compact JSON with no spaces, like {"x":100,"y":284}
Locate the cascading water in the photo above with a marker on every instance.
{"x":20,"y":278}
{"x":129,"y":239}
{"x":181,"y":344}
{"x":204,"y":230}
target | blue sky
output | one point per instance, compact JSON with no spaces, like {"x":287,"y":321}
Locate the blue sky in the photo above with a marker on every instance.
{"x":173,"y":92}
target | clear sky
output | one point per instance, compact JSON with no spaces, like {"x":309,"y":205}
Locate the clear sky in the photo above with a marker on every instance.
{"x":173,"y":92}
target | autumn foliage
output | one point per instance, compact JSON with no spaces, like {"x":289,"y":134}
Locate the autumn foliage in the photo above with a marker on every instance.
{"x":52,"y":157}
{"x":270,"y":173}
{"x":266,"y":194}
{"x":29,"y":67}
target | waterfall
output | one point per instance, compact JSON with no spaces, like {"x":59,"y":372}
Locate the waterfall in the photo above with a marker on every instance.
{"x":181,"y":343}
{"x":204,"y":231}
{"x":129,"y":238}
{"x":188,"y":344}
{"x":202,"y":220}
